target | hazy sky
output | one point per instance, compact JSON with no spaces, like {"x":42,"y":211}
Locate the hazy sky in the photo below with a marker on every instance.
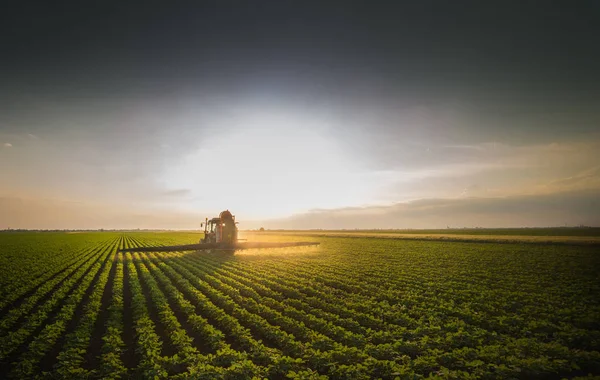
{"x":300,"y":114}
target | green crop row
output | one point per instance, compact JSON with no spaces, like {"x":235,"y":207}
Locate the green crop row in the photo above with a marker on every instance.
{"x":351,"y":308}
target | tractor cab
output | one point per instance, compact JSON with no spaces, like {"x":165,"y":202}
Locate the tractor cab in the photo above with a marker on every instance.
{"x":221,"y":230}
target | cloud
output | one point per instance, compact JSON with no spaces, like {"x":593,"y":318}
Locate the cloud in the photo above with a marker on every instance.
{"x":7,"y":145}
{"x":472,"y":190}
{"x":177,"y":192}
{"x":465,"y":147}
{"x":589,"y":178}
{"x":32,"y":136}
{"x":497,"y":169}
{"x":426,"y":155}
{"x":558,"y":209}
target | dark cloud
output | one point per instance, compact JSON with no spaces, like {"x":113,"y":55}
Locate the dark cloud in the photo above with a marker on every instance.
{"x":512,"y":61}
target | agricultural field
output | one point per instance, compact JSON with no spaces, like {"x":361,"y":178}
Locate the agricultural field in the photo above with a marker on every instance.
{"x":72,"y":306}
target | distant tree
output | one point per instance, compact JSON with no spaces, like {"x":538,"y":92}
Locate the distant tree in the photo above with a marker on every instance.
{"x":261,"y":229}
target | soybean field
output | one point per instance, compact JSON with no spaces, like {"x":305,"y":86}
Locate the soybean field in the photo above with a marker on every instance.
{"x":73,"y":307}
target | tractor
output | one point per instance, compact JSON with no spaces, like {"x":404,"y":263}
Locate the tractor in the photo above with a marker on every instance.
{"x":220,"y":234}
{"x":221,"y":230}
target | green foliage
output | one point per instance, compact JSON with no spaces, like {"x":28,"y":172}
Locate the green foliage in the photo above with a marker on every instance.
{"x":353,"y":308}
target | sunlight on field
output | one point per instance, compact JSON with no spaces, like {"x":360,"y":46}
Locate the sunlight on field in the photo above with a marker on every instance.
{"x":253,"y":236}
{"x":292,"y":251}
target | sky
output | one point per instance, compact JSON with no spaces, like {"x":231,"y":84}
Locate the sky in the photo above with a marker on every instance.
{"x":299,"y":114}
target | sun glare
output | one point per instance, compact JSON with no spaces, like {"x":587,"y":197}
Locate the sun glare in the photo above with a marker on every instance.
{"x":266,"y":171}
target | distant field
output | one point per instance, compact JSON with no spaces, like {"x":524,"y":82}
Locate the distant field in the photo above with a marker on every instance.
{"x":354,"y":307}
{"x":578,"y":236}
{"x":555,"y":231}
